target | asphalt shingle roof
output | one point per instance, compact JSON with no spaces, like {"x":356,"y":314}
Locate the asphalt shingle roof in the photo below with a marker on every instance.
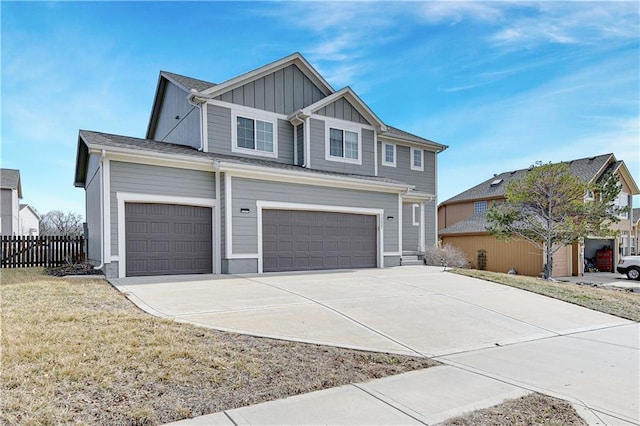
{"x":475,"y":223}
{"x":635,"y":215}
{"x":10,"y":178}
{"x":395,"y":132}
{"x":188,"y":82}
{"x":127,"y":142}
{"x":584,"y":168}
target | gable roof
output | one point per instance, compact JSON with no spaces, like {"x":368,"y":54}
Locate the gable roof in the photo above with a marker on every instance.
{"x":27,"y":206}
{"x":200,"y":90}
{"x":10,"y":179}
{"x":350,"y":96}
{"x":96,"y":141}
{"x":187,"y":83}
{"x":586,"y":169}
{"x":293,"y":59}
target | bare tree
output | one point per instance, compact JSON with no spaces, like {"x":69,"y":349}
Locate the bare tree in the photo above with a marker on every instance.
{"x":57,"y":222}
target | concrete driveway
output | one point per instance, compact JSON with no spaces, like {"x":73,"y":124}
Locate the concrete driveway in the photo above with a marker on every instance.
{"x":518,"y":339}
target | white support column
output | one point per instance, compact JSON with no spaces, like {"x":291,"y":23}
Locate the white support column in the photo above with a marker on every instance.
{"x":421,"y":244}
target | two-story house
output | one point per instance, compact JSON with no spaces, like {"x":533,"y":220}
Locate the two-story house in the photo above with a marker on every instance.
{"x":462,"y":223}
{"x":15,"y":219}
{"x":272,"y":170}
{"x":10,"y":195}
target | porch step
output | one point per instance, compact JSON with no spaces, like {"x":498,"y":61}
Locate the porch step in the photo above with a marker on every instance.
{"x":410,"y":260}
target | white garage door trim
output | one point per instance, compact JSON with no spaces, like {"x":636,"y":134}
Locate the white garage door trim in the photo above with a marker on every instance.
{"x":127,"y":197}
{"x":274,"y":205}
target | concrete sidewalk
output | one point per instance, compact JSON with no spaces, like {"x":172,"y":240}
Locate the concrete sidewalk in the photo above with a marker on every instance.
{"x":507,"y":341}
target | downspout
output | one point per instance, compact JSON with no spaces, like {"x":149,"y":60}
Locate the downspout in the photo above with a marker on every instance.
{"x":102,"y":249}
{"x":199,"y":102}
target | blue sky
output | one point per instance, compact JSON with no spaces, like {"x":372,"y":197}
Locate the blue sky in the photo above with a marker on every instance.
{"x":503,"y":84}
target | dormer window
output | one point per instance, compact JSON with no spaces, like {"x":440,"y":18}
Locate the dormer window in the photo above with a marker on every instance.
{"x":589,"y":196}
{"x":254,"y":135}
{"x":343,"y":144}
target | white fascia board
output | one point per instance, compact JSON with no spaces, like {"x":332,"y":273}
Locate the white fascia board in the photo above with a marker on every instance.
{"x":418,"y":197}
{"x":434,"y":147}
{"x":245,"y":78}
{"x":292,"y":176}
{"x":353,"y":99}
{"x":153,"y":158}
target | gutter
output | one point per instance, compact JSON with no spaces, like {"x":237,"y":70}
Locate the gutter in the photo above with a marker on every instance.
{"x":253,"y":171}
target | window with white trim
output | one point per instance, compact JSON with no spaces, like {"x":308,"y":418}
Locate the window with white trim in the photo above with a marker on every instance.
{"x":622,"y":202}
{"x":417,"y":160}
{"x":479,"y":207}
{"x":416,"y":214}
{"x":343,"y":145}
{"x":389,"y":154}
{"x":254,"y":136}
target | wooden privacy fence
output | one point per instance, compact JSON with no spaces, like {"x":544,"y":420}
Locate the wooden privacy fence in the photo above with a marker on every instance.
{"x":25,"y":251}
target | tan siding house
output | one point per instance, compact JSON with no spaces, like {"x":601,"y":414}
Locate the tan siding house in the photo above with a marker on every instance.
{"x":462,"y":224}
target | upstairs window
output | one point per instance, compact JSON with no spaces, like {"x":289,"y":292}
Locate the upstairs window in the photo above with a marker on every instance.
{"x":416,"y":159}
{"x":344,"y":145}
{"x":388,"y":154}
{"x":479,"y":207}
{"x":254,"y":136}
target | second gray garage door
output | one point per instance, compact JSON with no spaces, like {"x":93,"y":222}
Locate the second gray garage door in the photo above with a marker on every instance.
{"x":295,"y":240}
{"x":167,"y":239}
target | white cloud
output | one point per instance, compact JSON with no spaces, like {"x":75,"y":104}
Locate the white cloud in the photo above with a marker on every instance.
{"x":532,"y":24}
{"x":454,"y":12}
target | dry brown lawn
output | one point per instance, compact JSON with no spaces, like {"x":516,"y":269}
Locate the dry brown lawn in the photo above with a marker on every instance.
{"x":532,"y":409}
{"x":77,"y":351}
{"x":622,"y":304}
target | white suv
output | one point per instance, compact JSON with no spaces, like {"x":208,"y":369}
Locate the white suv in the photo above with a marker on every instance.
{"x":630,"y":265}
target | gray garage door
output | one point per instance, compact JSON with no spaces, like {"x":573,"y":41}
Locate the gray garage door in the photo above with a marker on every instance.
{"x":308,"y":240}
{"x":166,"y":239}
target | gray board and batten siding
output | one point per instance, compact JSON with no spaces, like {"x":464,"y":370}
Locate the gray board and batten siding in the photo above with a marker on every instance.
{"x":245,"y":193}
{"x":219,"y":129}
{"x":343,"y":110}
{"x":155,"y":180}
{"x":178,"y":120}
{"x":282,"y":91}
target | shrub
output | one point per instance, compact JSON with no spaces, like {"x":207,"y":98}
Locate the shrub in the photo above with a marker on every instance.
{"x":435,"y":256}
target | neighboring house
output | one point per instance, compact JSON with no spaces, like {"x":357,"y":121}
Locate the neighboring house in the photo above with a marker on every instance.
{"x":462,"y":223}
{"x":635,"y":231}
{"x":11,"y":188}
{"x":29,"y":221}
{"x":272,"y":170}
